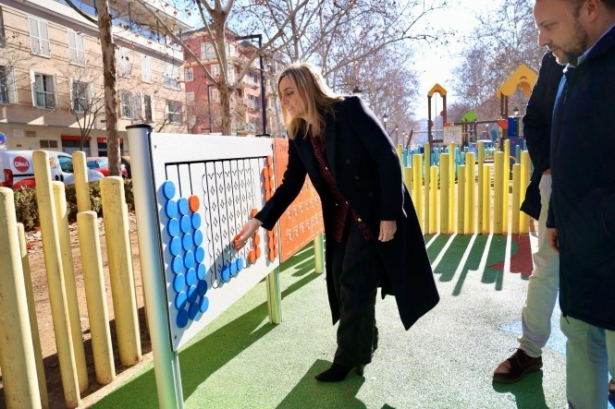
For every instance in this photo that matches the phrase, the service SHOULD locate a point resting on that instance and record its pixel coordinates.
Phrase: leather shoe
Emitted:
(612, 389)
(516, 367)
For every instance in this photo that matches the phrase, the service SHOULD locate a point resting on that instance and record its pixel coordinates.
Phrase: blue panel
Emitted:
(187, 241)
(191, 277)
(200, 272)
(184, 207)
(204, 304)
(181, 299)
(177, 265)
(189, 259)
(168, 189)
(175, 247)
(179, 283)
(198, 238)
(202, 287)
(173, 227)
(171, 209)
(182, 319)
(199, 255)
(194, 310)
(185, 224)
(196, 221)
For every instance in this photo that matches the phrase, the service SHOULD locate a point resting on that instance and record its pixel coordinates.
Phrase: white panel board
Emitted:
(205, 188)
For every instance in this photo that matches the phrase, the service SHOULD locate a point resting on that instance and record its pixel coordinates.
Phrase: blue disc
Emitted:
(204, 304)
(196, 221)
(226, 273)
(200, 272)
(171, 209)
(181, 299)
(168, 189)
(182, 319)
(199, 254)
(179, 283)
(193, 293)
(191, 277)
(178, 265)
(239, 263)
(175, 247)
(173, 227)
(194, 310)
(187, 241)
(202, 287)
(184, 207)
(185, 224)
(198, 238)
(233, 268)
(189, 259)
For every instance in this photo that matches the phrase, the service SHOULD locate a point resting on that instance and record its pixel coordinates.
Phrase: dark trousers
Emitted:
(356, 268)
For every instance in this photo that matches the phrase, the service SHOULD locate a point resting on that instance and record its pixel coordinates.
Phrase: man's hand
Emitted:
(387, 230)
(245, 233)
(552, 239)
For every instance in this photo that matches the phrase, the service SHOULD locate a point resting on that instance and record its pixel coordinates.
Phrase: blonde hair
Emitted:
(316, 95)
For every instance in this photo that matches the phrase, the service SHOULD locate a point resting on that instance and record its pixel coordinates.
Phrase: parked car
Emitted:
(101, 164)
(17, 169)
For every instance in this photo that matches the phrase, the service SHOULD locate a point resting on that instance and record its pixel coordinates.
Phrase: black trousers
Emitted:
(356, 268)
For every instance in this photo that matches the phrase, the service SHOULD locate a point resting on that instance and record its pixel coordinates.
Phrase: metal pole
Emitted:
(166, 361)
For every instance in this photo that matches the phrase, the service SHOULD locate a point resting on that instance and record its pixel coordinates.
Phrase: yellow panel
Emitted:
(523, 77)
(437, 88)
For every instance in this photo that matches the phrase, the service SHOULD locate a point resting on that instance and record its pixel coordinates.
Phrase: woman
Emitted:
(373, 235)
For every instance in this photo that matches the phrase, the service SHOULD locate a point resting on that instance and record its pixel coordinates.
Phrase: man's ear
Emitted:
(591, 9)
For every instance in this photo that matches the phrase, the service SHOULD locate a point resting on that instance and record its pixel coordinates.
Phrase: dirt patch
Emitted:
(44, 317)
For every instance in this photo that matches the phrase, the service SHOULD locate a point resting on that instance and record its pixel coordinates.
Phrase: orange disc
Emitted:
(269, 172)
(271, 255)
(265, 173)
(269, 234)
(258, 252)
(257, 240)
(269, 161)
(252, 256)
(268, 195)
(275, 242)
(253, 212)
(267, 184)
(270, 244)
(275, 252)
(194, 203)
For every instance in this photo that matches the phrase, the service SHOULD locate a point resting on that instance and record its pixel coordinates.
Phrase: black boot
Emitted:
(336, 373)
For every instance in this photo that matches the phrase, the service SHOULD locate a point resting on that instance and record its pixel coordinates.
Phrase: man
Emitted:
(544, 281)
(581, 222)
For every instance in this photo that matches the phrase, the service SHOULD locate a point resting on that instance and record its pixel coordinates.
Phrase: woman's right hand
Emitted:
(245, 233)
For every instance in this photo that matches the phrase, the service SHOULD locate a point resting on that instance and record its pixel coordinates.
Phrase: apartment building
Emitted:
(202, 98)
(51, 78)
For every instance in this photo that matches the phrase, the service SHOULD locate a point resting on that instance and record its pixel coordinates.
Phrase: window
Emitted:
(8, 92)
(2, 43)
(80, 97)
(123, 62)
(39, 37)
(128, 110)
(148, 108)
(66, 163)
(48, 144)
(174, 112)
(171, 76)
(207, 51)
(76, 50)
(43, 90)
(215, 95)
(189, 98)
(215, 70)
(189, 75)
(146, 69)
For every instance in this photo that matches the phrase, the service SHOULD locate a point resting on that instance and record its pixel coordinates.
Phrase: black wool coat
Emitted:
(367, 173)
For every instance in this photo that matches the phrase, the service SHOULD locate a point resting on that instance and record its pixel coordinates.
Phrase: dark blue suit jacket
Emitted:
(367, 173)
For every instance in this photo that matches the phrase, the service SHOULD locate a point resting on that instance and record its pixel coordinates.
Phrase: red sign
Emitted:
(21, 164)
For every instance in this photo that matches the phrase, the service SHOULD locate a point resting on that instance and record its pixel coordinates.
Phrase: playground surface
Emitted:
(446, 360)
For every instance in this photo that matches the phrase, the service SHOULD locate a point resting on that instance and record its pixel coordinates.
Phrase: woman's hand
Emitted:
(387, 230)
(245, 233)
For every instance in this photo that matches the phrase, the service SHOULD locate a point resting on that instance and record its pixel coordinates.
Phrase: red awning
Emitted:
(73, 137)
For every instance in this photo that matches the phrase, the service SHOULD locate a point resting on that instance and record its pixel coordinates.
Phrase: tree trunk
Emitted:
(225, 107)
(108, 54)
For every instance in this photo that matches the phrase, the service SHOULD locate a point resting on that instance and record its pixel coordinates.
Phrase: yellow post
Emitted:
(486, 225)
(461, 200)
(506, 186)
(70, 283)
(94, 282)
(55, 279)
(451, 182)
(524, 221)
(516, 197)
(36, 339)
(417, 177)
(498, 195)
(481, 160)
(120, 270)
(427, 181)
(17, 355)
(470, 193)
(81, 181)
(444, 193)
(433, 201)
(408, 182)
